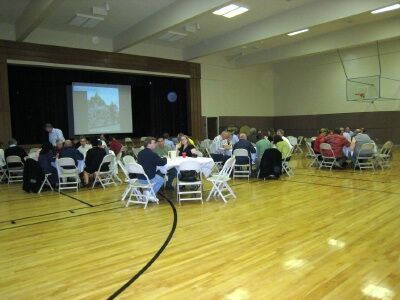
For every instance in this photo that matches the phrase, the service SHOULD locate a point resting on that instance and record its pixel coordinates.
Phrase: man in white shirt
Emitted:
(84, 147)
(220, 147)
(281, 132)
(54, 134)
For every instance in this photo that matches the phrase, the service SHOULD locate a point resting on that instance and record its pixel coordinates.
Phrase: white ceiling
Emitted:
(257, 36)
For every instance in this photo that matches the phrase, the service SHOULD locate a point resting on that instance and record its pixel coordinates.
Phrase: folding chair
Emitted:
(240, 171)
(285, 163)
(294, 142)
(142, 192)
(116, 160)
(127, 179)
(220, 181)
(15, 168)
(217, 164)
(197, 186)
(383, 157)
(365, 157)
(105, 177)
(3, 169)
(128, 159)
(328, 156)
(311, 154)
(45, 181)
(67, 170)
(300, 139)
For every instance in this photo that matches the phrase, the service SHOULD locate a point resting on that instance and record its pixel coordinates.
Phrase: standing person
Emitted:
(150, 161)
(55, 134)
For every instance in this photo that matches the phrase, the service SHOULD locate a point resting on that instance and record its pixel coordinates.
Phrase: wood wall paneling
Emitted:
(62, 55)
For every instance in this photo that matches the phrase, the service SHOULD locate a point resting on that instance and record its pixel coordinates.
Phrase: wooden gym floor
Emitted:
(317, 235)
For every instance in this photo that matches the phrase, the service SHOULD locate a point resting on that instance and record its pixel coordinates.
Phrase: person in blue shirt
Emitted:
(55, 134)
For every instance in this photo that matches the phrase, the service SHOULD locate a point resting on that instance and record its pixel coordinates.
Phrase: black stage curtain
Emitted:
(38, 95)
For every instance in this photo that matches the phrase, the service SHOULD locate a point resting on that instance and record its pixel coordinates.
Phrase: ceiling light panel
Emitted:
(297, 32)
(385, 9)
(225, 9)
(236, 12)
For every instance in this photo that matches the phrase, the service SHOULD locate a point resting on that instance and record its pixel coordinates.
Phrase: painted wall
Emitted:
(228, 91)
(317, 84)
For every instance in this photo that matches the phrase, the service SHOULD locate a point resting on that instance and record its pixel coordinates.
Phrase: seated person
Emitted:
(2, 157)
(322, 134)
(45, 159)
(186, 147)
(59, 146)
(115, 145)
(84, 146)
(282, 146)
(150, 161)
(262, 144)
(129, 147)
(93, 160)
(357, 141)
(14, 149)
(75, 142)
(243, 144)
(168, 141)
(162, 148)
(220, 147)
(70, 151)
(281, 132)
(337, 143)
(179, 137)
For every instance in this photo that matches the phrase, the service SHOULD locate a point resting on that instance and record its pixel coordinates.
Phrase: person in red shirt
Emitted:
(337, 143)
(322, 134)
(115, 145)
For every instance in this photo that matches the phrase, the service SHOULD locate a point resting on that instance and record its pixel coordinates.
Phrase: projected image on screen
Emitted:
(103, 107)
(100, 108)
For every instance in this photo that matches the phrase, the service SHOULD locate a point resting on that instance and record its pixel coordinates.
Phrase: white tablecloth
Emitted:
(206, 163)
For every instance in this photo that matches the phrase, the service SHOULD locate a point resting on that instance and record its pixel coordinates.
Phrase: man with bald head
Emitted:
(70, 151)
(220, 147)
(244, 144)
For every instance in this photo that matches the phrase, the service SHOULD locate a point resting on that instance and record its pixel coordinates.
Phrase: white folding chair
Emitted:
(3, 169)
(217, 164)
(116, 160)
(285, 163)
(384, 156)
(68, 174)
(105, 177)
(311, 154)
(15, 168)
(328, 156)
(197, 187)
(141, 192)
(294, 142)
(220, 181)
(128, 159)
(240, 171)
(45, 181)
(127, 179)
(365, 157)
(300, 139)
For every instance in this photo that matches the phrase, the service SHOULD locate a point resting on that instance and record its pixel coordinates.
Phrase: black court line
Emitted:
(72, 210)
(52, 220)
(154, 258)
(343, 187)
(81, 201)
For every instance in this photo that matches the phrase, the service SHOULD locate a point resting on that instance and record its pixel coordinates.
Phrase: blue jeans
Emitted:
(157, 182)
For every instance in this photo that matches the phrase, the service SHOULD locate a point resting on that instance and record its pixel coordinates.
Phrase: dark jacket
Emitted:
(188, 150)
(243, 144)
(33, 176)
(93, 159)
(149, 161)
(15, 150)
(72, 153)
(271, 163)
